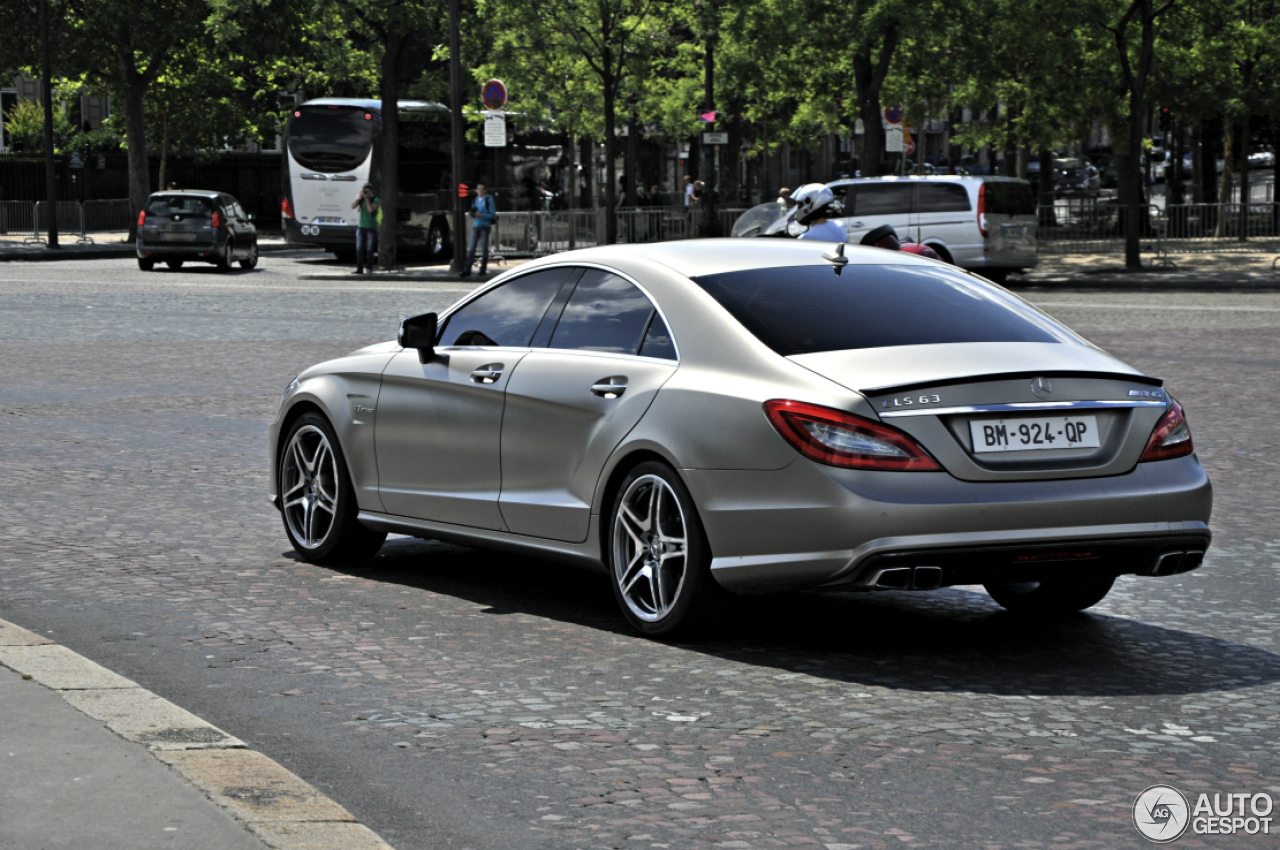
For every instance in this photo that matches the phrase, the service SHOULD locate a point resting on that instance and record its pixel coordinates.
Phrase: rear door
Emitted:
(570, 404)
(876, 203)
(944, 213)
(1010, 213)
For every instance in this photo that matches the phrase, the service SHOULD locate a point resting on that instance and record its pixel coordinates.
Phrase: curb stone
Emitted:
(280, 808)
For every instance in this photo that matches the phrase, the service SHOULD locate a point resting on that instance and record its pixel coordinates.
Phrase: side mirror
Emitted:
(419, 332)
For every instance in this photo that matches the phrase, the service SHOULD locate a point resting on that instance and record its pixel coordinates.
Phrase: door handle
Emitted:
(488, 373)
(610, 387)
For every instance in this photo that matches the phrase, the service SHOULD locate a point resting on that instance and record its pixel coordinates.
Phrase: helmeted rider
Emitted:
(815, 204)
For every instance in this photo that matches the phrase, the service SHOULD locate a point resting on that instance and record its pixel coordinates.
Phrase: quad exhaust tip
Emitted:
(906, 578)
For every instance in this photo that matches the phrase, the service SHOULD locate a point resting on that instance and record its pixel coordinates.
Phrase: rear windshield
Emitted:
(808, 309)
(180, 204)
(1013, 197)
(330, 138)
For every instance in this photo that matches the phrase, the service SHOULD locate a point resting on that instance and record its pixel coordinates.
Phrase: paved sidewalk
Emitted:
(90, 759)
(1187, 272)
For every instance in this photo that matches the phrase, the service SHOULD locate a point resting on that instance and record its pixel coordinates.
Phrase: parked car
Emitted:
(192, 225)
(1078, 179)
(984, 224)
(703, 417)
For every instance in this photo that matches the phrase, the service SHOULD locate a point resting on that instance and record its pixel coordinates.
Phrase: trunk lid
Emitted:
(1085, 413)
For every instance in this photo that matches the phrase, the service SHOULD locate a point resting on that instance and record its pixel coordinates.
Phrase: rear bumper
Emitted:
(178, 251)
(810, 526)
(327, 236)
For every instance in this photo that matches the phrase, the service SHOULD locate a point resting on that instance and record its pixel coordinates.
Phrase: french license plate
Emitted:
(1041, 432)
(179, 237)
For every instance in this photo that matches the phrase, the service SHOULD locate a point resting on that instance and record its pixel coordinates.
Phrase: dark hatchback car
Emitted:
(204, 227)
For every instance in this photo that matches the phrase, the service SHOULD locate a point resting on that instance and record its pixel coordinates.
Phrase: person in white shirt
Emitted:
(688, 192)
(814, 203)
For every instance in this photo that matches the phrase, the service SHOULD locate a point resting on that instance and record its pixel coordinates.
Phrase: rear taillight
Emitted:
(841, 439)
(217, 220)
(286, 209)
(142, 218)
(1171, 437)
(982, 210)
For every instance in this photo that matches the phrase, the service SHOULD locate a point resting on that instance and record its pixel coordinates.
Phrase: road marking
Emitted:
(1093, 305)
(430, 287)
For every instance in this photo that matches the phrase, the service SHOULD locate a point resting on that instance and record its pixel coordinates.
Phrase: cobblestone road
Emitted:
(456, 698)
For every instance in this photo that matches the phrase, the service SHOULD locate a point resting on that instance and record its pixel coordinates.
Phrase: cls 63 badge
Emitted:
(911, 400)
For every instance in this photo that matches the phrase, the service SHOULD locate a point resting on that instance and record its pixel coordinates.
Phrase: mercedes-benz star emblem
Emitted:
(1041, 388)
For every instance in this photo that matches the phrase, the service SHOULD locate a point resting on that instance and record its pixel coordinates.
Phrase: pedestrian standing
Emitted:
(688, 192)
(366, 228)
(483, 215)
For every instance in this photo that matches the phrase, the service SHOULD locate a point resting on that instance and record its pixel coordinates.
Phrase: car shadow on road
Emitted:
(954, 639)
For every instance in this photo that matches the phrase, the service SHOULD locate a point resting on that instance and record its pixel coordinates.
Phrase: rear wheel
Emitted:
(223, 261)
(659, 557)
(1058, 595)
(317, 499)
(146, 263)
(173, 264)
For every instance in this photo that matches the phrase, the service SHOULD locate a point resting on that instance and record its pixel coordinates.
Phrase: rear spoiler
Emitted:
(1005, 376)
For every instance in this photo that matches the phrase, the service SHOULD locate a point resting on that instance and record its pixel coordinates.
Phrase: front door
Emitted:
(569, 405)
(439, 424)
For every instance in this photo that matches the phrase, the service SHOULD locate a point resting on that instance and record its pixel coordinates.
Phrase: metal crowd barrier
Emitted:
(70, 219)
(1085, 226)
(107, 216)
(18, 218)
(1221, 228)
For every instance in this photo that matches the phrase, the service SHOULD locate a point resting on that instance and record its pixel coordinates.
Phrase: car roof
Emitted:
(194, 193)
(699, 257)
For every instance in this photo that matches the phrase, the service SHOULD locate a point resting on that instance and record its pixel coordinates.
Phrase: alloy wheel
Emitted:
(309, 487)
(649, 548)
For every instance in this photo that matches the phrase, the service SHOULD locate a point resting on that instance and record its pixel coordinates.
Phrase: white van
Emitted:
(984, 224)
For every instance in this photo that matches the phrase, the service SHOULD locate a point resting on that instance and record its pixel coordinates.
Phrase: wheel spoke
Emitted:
(639, 574)
(631, 525)
(324, 503)
(287, 493)
(298, 501)
(655, 590)
(308, 520)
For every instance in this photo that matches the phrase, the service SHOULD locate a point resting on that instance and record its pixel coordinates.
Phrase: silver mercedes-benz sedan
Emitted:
(723, 416)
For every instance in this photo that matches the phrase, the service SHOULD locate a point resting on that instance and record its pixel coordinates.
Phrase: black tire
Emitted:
(996, 275)
(439, 244)
(146, 263)
(223, 260)
(250, 261)
(944, 254)
(173, 264)
(698, 601)
(344, 540)
(1056, 596)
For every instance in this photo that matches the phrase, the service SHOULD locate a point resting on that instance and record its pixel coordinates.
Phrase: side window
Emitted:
(604, 313)
(843, 195)
(884, 199)
(505, 316)
(657, 340)
(942, 197)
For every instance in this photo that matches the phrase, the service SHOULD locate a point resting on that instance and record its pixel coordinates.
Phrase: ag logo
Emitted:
(1161, 814)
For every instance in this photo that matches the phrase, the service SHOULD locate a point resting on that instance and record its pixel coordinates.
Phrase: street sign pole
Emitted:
(457, 139)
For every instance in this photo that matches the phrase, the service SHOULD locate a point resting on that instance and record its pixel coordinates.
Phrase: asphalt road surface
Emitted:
(453, 698)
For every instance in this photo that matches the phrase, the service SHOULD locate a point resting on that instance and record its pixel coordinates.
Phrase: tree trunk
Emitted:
(610, 165)
(164, 150)
(135, 134)
(1047, 212)
(1244, 176)
(389, 191)
(1210, 137)
(868, 80)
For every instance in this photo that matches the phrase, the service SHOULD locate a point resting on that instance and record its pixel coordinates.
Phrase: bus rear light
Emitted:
(982, 210)
(217, 220)
(286, 209)
(368, 117)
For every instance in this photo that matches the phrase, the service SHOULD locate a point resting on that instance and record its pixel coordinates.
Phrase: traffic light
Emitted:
(1166, 120)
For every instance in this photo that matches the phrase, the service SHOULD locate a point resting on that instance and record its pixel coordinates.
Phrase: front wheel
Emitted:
(251, 260)
(659, 557)
(318, 500)
(1054, 596)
